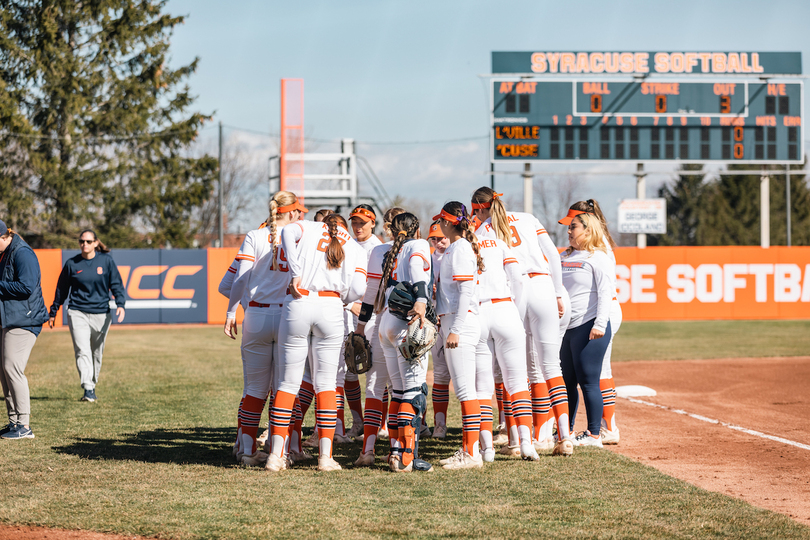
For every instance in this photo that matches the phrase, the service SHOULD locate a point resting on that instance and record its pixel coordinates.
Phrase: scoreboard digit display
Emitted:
(690, 119)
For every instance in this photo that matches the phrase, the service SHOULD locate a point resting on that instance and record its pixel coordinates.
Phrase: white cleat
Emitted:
(500, 439)
(275, 463)
(544, 446)
(510, 451)
(564, 448)
(356, 431)
(327, 464)
(366, 459)
(303, 455)
(425, 431)
(382, 433)
(439, 432)
(488, 455)
(261, 439)
(609, 436)
(258, 459)
(312, 442)
(528, 453)
(342, 439)
(464, 461)
(586, 439)
(445, 461)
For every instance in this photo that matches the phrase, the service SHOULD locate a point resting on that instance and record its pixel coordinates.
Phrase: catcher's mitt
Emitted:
(418, 341)
(357, 353)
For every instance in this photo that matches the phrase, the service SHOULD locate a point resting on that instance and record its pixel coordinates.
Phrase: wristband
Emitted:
(365, 313)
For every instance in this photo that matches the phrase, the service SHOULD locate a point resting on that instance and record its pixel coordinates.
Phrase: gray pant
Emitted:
(89, 331)
(16, 345)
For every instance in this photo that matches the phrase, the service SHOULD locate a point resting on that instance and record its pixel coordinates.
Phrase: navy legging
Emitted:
(581, 360)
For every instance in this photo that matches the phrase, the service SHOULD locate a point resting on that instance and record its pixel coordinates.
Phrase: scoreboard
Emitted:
(641, 118)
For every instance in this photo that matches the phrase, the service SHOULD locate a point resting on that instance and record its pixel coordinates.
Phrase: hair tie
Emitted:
(403, 233)
(496, 195)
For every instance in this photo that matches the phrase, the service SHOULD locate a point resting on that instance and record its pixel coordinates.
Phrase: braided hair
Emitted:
(465, 228)
(278, 200)
(334, 251)
(403, 227)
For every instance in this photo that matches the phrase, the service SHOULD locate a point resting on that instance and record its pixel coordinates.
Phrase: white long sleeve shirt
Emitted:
(587, 278)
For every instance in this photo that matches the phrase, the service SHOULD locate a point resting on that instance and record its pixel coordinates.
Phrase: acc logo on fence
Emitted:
(140, 295)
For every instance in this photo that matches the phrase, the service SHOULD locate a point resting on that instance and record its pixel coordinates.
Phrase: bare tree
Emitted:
(553, 195)
(244, 192)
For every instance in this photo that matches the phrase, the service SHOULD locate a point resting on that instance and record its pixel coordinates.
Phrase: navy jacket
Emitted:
(86, 284)
(21, 302)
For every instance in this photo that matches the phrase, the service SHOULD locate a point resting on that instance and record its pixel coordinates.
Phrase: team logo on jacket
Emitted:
(100, 270)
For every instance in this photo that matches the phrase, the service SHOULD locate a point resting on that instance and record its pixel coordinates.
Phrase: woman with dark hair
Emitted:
(86, 282)
(22, 311)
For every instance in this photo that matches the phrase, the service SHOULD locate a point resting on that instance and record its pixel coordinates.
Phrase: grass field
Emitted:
(152, 457)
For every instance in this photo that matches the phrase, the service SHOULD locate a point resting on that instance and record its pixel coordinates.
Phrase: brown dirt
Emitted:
(768, 395)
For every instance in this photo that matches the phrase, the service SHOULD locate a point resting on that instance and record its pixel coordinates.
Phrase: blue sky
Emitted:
(388, 71)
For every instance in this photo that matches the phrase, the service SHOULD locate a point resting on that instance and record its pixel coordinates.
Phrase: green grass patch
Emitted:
(694, 340)
(153, 457)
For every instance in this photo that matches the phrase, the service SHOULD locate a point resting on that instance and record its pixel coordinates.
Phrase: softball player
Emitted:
(587, 277)
(260, 282)
(440, 394)
(610, 431)
(328, 270)
(457, 307)
(502, 336)
(363, 220)
(407, 259)
(533, 248)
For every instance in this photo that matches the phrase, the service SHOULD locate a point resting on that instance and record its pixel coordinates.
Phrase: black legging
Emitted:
(581, 360)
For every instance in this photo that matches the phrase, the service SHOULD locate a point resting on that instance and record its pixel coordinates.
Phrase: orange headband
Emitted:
(290, 207)
(444, 214)
(479, 206)
(571, 215)
(363, 214)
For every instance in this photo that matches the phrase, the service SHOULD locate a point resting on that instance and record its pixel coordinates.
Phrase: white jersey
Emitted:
(587, 279)
(368, 246)
(458, 265)
(531, 245)
(412, 264)
(255, 280)
(501, 273)
(305, 244)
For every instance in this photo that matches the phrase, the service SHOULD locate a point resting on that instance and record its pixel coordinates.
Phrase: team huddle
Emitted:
(487, 296)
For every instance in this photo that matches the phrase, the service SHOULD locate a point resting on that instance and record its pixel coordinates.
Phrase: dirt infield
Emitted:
(768, 395)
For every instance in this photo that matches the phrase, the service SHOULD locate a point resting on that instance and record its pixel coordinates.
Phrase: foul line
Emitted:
(713, 421)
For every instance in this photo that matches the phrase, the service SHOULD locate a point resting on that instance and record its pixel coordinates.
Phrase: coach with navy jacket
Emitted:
(86, 282)
(22, 314)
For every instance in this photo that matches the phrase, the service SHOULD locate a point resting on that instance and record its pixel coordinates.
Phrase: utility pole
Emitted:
(641, 193)
(787, 200)
(220, 217)
(765, 209)
(528, 203)
(492, 176)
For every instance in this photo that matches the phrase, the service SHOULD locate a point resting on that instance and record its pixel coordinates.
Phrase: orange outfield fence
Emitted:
(653, 284)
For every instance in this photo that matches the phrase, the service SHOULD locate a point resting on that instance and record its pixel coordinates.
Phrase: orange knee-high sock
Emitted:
(326, 420)
(353, 398)
(441, 399)
(386, 401)
(295, 427)
(371, 423)
(280, 418)
(340, 399)
(252, 408)
(609, 400)
(407, 435)
(499, 395)
(471, 425)
(239, 422)
(305, 395)
(559, 402)
(393, 425)
(521, 406)
(541, 406)
(508, 411)
(486, 414)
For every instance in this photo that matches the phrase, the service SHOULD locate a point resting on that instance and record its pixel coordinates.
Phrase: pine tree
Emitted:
(98, 122)
(685, 199)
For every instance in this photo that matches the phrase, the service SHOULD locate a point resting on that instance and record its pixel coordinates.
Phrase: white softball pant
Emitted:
(441, 375)
(461, 361)
(377, 376)
(322, 316)
(615, 323)
(343, 374)
(502, 335)
(542, 321)
(404, 375)
(260, 349)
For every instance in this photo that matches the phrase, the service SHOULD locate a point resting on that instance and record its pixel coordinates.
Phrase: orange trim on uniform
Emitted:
(330, 294)
(535, 274)
(570, 216)
(258, 304)
(462, 278)
(290, 207)
(509, 261)
(231, 269)
(361, 271)
(427, 262)
(375, 276)
(541, 231)
(245, 258)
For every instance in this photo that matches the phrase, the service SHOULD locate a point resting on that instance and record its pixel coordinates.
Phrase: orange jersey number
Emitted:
(324, 243)
(516, 241)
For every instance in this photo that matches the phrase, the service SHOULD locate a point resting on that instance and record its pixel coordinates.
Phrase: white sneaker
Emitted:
(609, 436)
(258, 459)
(528, 453)
(366, 459)
(395, 465)
(439, 432)
(341, 439)
(500, 439)
(356, 431)
(303, 455)
(544, 446)
(312, 442)
(509, 451)
(585, 439)
(382, 433)
(261, 439)
(445, 461)
(327, 464)
(488, 455)
(564, 448)
(464, 461)
(275, 463)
